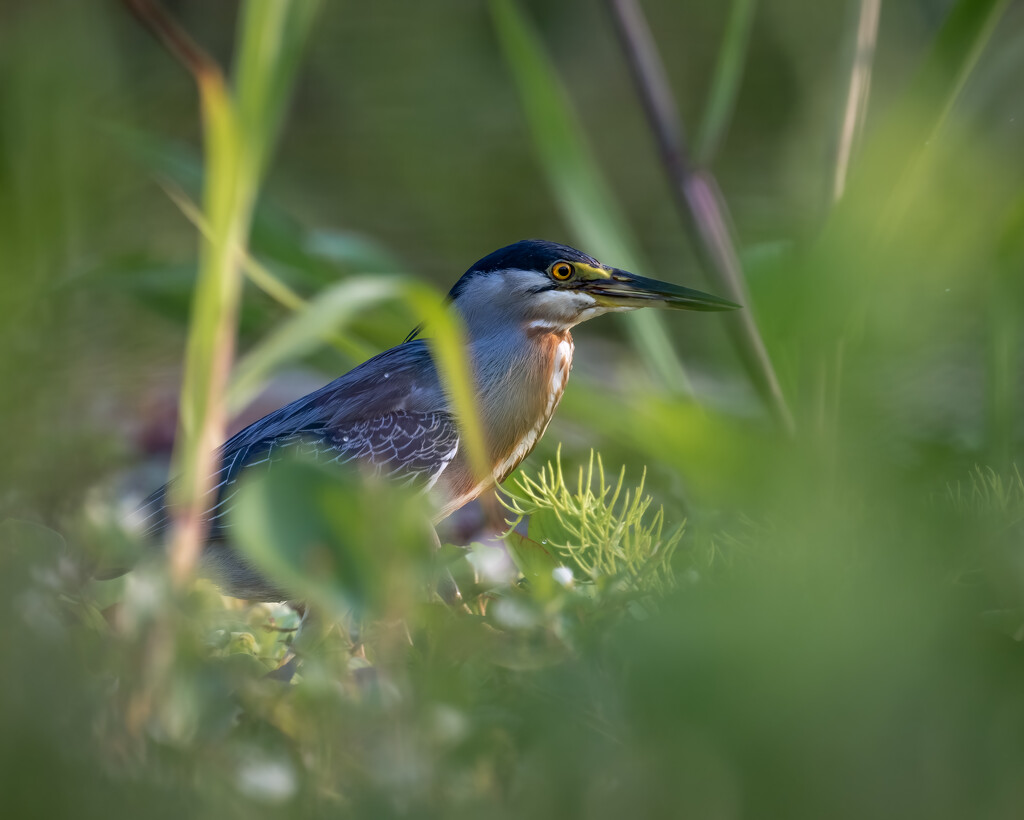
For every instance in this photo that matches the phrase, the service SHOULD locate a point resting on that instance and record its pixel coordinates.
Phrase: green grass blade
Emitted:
(725, 82)
(698, 199)
(211, 335)
(447, 339)
(312, 325)
(1004, 338)
(954, 54)
(237, 137)
(583, 196)
(893, 157)
(271, 36)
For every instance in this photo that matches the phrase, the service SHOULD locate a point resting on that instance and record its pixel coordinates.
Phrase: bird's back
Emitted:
(389, 414)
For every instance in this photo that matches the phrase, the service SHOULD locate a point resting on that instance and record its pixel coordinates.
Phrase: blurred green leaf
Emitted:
(953, 55)
(31, 540)
(533, 560)
(896, 152)
(167, 288)
(726, 80)
(272, 35)
(333, 537)
(303, 332)
(351, 251)
(308, 257)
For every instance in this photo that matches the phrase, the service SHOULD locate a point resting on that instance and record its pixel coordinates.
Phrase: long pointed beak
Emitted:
(625, 289)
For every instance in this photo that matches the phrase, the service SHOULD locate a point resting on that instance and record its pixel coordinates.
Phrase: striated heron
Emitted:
(391, 413)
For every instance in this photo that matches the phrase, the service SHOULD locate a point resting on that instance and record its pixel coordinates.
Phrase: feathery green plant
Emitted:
(990, 492)
(597, 529)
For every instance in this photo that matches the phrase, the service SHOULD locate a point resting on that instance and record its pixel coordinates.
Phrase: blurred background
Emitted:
(843, 638)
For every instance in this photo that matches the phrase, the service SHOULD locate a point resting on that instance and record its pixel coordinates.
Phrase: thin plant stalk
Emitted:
(319, 321)
(858, 89)
(259, 274)
(577, 184)
(699, 201)
(1004, 341)
(238, 134)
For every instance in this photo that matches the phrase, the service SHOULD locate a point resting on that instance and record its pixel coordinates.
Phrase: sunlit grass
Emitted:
(604, 532)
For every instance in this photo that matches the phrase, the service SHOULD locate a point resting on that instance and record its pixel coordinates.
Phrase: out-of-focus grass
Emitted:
(576, 181)
(726, 80)
(239, 131)
(844, 640)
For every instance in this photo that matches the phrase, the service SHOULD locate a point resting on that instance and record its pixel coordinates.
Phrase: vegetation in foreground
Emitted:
(761, 624)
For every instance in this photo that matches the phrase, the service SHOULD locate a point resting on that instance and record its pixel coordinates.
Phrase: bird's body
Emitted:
(391, 413)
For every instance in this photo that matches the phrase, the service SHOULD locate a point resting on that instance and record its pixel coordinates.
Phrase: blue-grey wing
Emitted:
(413, 448)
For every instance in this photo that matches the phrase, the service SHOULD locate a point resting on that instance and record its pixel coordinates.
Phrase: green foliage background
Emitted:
(843, 635)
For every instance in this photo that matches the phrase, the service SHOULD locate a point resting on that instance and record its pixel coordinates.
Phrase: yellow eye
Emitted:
(562, 271)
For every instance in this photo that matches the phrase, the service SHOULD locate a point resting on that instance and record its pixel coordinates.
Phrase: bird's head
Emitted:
(547, 284)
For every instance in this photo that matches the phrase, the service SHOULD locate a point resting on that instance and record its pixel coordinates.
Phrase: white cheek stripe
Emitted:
(561, 308)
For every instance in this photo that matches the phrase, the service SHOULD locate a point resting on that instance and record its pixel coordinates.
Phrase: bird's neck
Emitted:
(521, 377)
